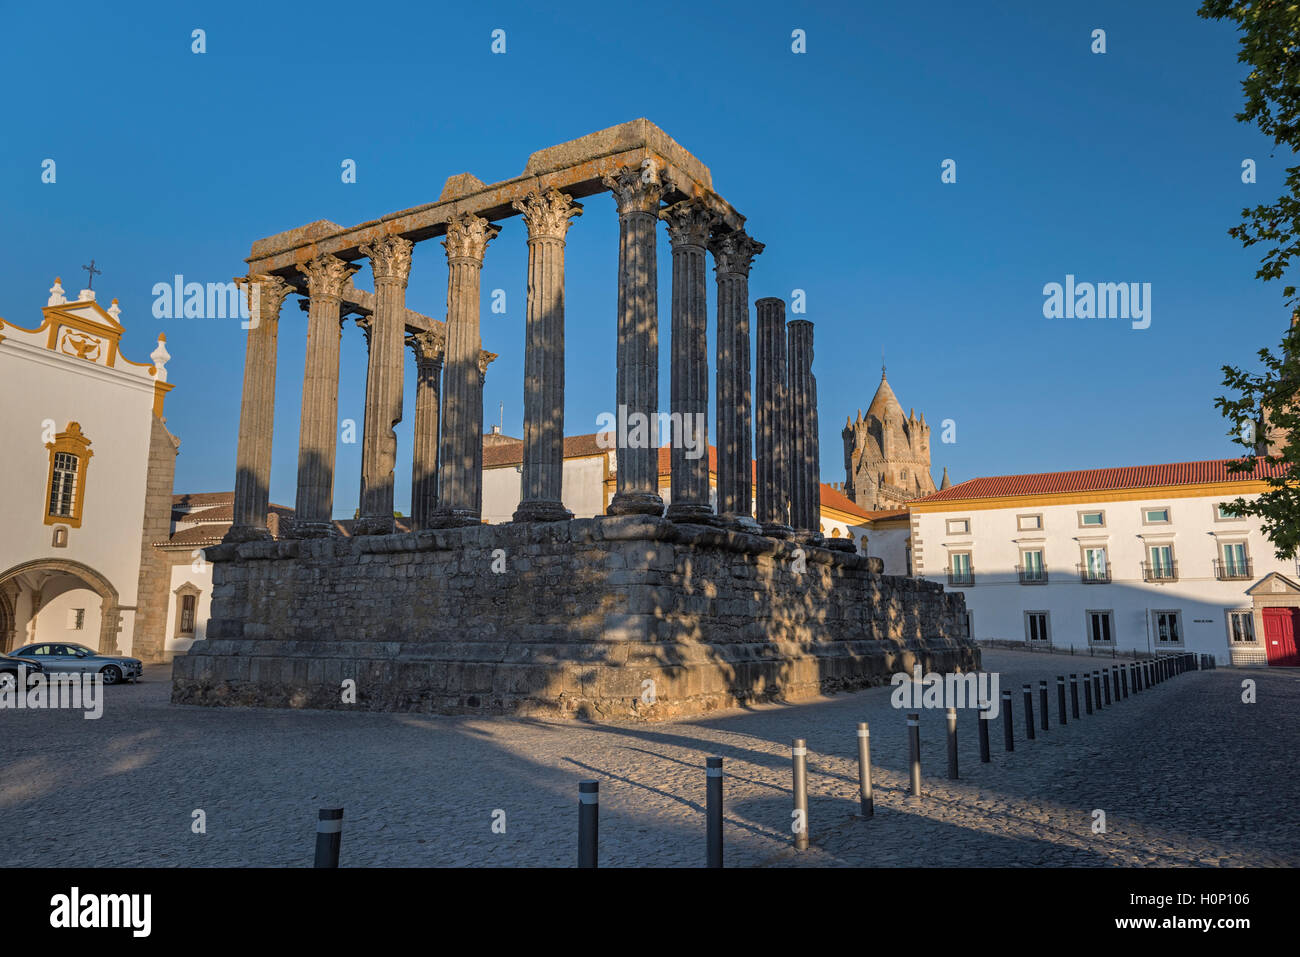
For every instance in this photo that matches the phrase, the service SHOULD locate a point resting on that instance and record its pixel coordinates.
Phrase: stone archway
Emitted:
(110, 612)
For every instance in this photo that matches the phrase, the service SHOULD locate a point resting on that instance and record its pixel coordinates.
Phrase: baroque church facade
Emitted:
(887, 454)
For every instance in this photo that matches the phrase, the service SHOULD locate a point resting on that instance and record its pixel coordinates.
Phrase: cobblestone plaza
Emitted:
(1186, 773)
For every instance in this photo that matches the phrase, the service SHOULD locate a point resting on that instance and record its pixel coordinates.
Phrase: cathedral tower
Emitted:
(886, 453)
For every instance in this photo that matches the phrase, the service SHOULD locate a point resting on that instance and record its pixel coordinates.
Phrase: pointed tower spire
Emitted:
(946, 483)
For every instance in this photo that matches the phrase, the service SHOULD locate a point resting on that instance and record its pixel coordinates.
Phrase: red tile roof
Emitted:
(833, 498)
(1103, 480)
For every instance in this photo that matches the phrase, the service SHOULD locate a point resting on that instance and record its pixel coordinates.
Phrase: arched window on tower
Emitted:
(66, 489)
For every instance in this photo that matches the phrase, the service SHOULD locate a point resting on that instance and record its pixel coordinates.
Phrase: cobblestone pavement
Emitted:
(1185, 772)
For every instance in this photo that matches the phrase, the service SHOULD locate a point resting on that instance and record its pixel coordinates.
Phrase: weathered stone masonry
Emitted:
(629, 615)
(583, 614)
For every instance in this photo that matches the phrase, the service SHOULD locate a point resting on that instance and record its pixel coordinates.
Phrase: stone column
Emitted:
(548, 215)
(805, 485)
(772, 418)
(689, 223)
(485, 359)
(266, 294)
(390, 261)
(314, 507)
(429, 350)
(637, 388)
(733, 254)
(460, 467)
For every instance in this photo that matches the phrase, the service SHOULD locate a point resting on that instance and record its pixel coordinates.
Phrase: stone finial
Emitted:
(468, 237)
(689, 223)
(634, 192)
(86, 295)
(734, 252)
(115, 310)
(390, 259)
(547, 213)
(159, 357)
(57, 296)
(327, 275)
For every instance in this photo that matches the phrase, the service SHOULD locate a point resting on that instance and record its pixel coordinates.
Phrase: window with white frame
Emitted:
(1167, 627)
(958, 526)
(1094, 519)
(1101, 627)
(1037, 627)
(1029, 523)
(63, 484)
(1241, 626)
(1155, 516)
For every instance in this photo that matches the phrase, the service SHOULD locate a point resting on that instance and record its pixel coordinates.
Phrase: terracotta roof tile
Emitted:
(1103, 480)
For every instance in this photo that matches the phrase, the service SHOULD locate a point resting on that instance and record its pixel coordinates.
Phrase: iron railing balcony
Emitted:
(959, 577)
(1032, 576)
(1159, 572)
(1094, 576)
(1232, 571)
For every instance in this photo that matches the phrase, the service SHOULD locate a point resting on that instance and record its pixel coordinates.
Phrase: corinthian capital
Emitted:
(326, 275)
(547, 213)
(468, 236)
(634, 190)
(734, 252)
(484, 359)
(266, 294)
(390, 259)
(689, 222)
(429, 347)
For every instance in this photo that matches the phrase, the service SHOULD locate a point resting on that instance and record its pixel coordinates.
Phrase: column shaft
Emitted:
(805, 485)
(547, 215)
(265, 294)
(460, 466)
(313, 509)
(429, 351)
(733, 254)
(771, 419)
(390, 261)
(689, 223)
(637, 387)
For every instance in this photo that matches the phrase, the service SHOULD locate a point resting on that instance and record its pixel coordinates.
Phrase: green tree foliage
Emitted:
(1269, 400)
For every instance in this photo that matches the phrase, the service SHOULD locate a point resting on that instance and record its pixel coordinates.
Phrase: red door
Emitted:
(1281, 626)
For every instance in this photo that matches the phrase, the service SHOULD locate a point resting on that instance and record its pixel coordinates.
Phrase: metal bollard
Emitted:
(914, 752)
(952, 743)
(983, 716)
(713, 812)
(1096, 689)
(1060, 699)
(1105, 681)
(1029, 712)
(1087, 694)
(864, 770)
(329, 835)
(1008, 736)
(1114, 680)
(1074, 696)
(1042, 703)
(800, 753)
(1123, 680)
(588, 822)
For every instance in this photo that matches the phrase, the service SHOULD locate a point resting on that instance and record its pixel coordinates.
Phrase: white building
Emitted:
(590, 480)
(85, 481)
(1142, 558)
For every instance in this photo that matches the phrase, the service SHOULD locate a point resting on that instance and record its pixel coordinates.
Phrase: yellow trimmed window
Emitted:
(66, 490)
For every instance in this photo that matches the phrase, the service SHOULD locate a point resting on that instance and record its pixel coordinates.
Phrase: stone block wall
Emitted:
(606, 619)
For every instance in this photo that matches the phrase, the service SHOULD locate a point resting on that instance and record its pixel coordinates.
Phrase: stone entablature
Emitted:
(584, 612)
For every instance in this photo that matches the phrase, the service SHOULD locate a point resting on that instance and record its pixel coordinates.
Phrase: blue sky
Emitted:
(1122, 167)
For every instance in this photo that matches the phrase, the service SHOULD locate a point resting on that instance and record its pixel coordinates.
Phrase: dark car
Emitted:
(63, 657)
(11, 666)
